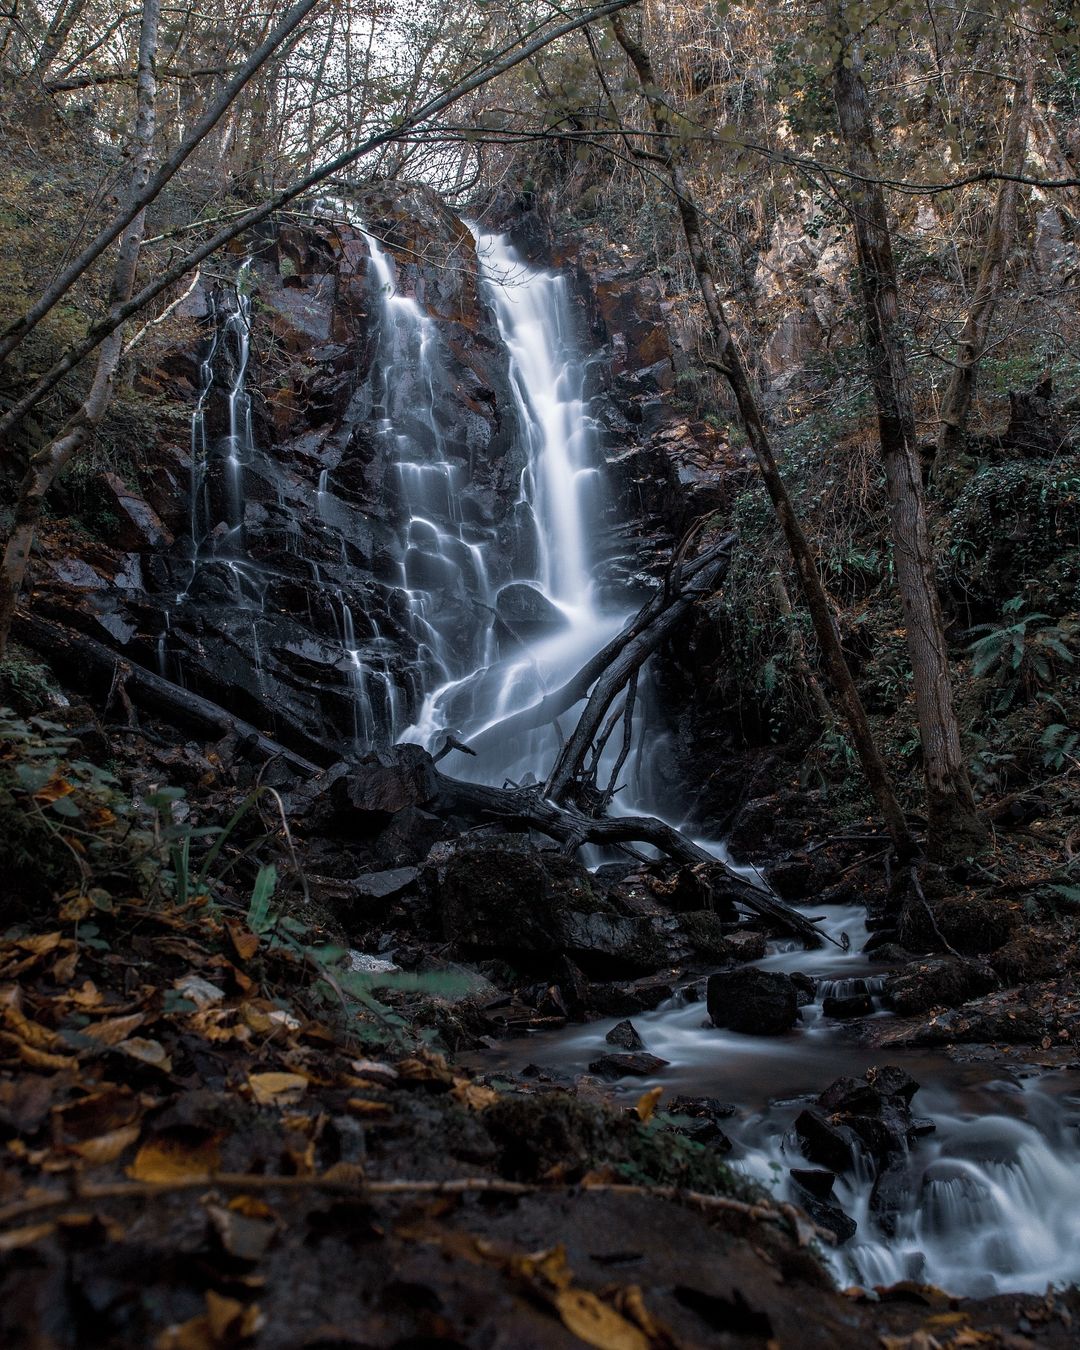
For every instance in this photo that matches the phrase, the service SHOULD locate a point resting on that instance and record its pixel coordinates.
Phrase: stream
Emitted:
(993, 1201)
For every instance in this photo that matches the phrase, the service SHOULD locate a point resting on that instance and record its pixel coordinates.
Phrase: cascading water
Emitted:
(993, 1198)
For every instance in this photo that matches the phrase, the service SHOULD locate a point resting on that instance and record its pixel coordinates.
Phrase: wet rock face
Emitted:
(274, 584)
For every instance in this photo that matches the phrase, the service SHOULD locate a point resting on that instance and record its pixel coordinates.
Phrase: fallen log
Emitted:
(625, 665)
(527, 808)
(93, 665)
(682, 578)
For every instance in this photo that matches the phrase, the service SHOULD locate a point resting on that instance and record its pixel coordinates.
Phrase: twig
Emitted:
(360, 1189)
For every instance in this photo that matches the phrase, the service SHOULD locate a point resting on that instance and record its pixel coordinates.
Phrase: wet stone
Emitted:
(751, 1001)
(625, 1035)
(640, 1065)
(832, 1146)
(822, 1212)
(842, 1009)
(816, 1181)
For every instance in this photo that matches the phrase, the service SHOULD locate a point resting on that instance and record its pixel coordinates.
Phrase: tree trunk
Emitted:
(737, 377)
(954, 828)
(956, 404)
(51, 459)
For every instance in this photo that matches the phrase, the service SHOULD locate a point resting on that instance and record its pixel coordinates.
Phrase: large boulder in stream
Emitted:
(527, 612)
(500, 895)
(756, 1002)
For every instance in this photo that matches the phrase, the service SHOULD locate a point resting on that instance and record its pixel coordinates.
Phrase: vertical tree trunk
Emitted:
(51, 459)
(956, 404)
(840, 677)
(954, 828)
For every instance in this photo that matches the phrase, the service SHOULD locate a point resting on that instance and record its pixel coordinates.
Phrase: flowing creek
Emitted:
(994, 1198)
(993, 1202)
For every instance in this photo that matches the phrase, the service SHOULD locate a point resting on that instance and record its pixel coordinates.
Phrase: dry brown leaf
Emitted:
(365, 1106)
(242, 1236)
(77, 908)
(63, 968)
(169, 1159)
(147, 1052)
(39, 1059)
(474, 1095)
(39, 944)
(87, 995)
(647, 1103)
(595, 1322)
(15, 1238)
(277, 1089)
(106, 1148)
(113, 1030)
(244, 942)
(32, 1033)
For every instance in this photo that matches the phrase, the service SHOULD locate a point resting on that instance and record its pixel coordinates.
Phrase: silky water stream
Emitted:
(994, 1192)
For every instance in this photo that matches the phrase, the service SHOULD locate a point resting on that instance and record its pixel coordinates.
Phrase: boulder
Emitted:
(971, 924)
(699, 1120)
(824, 1143)
(939, 982)
(847, 1006)
(638, 1065)
(527, 612)
(752, 1001)
(625, 1035)
(827, 1215)
(385, 885)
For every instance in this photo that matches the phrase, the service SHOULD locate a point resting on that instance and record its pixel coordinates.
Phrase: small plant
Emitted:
(1023, 655)
(1060, 746)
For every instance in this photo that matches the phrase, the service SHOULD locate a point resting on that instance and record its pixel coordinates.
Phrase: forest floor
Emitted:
(210, 1141)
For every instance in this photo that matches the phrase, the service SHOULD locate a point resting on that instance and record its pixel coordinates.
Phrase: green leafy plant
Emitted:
(1021, 655)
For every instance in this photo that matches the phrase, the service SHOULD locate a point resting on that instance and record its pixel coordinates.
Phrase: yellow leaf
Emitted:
(594, 1322)
(39, 944)
(647, 1103)
(277, 1089)
(364, 1106)
(169, 1159)
(106, 1148)
(15, 1238)
(53, 790)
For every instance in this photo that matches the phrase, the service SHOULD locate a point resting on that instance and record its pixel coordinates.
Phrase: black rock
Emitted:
(833, 1146)
(699, 1117)
(818, 1182)
(890, 1195)
(756, 1002)
(822, 1212)
(640, 1065)
(856, 1005)
(384, 885)
(527, 612)
(805, 987)
(624, 1034)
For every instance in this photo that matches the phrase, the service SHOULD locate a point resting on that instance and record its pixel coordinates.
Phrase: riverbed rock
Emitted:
(527, 612)
(625, 1035)
(831, 1146)
(970, 924)
(699, 1119)
(938, 982)
(752, 1001)
(827, 1215)
(633, 1065)
(847, 1006)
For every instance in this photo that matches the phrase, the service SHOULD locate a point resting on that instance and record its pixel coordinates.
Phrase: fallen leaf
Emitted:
(167, 1158)
(39, 1059)
(53, 790)
(242, 1236)
(647, 1103)
(147, 1052)
(595, 1322)
(106, 1148)
(277, 1089)
(15, 1238)
(201, 992)
(40, 943)
(244, 942)
(365, 1106)
(474, 1095)
(113, 1030)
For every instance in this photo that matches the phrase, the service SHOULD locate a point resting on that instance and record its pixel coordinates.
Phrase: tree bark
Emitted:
(956, 403)
(51, 459)
(954, 829)
(735, 372)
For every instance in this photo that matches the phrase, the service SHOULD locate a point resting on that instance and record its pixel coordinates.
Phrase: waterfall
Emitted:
(488, 649)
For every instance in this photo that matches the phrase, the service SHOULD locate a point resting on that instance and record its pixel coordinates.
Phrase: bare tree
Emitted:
(954, 829)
